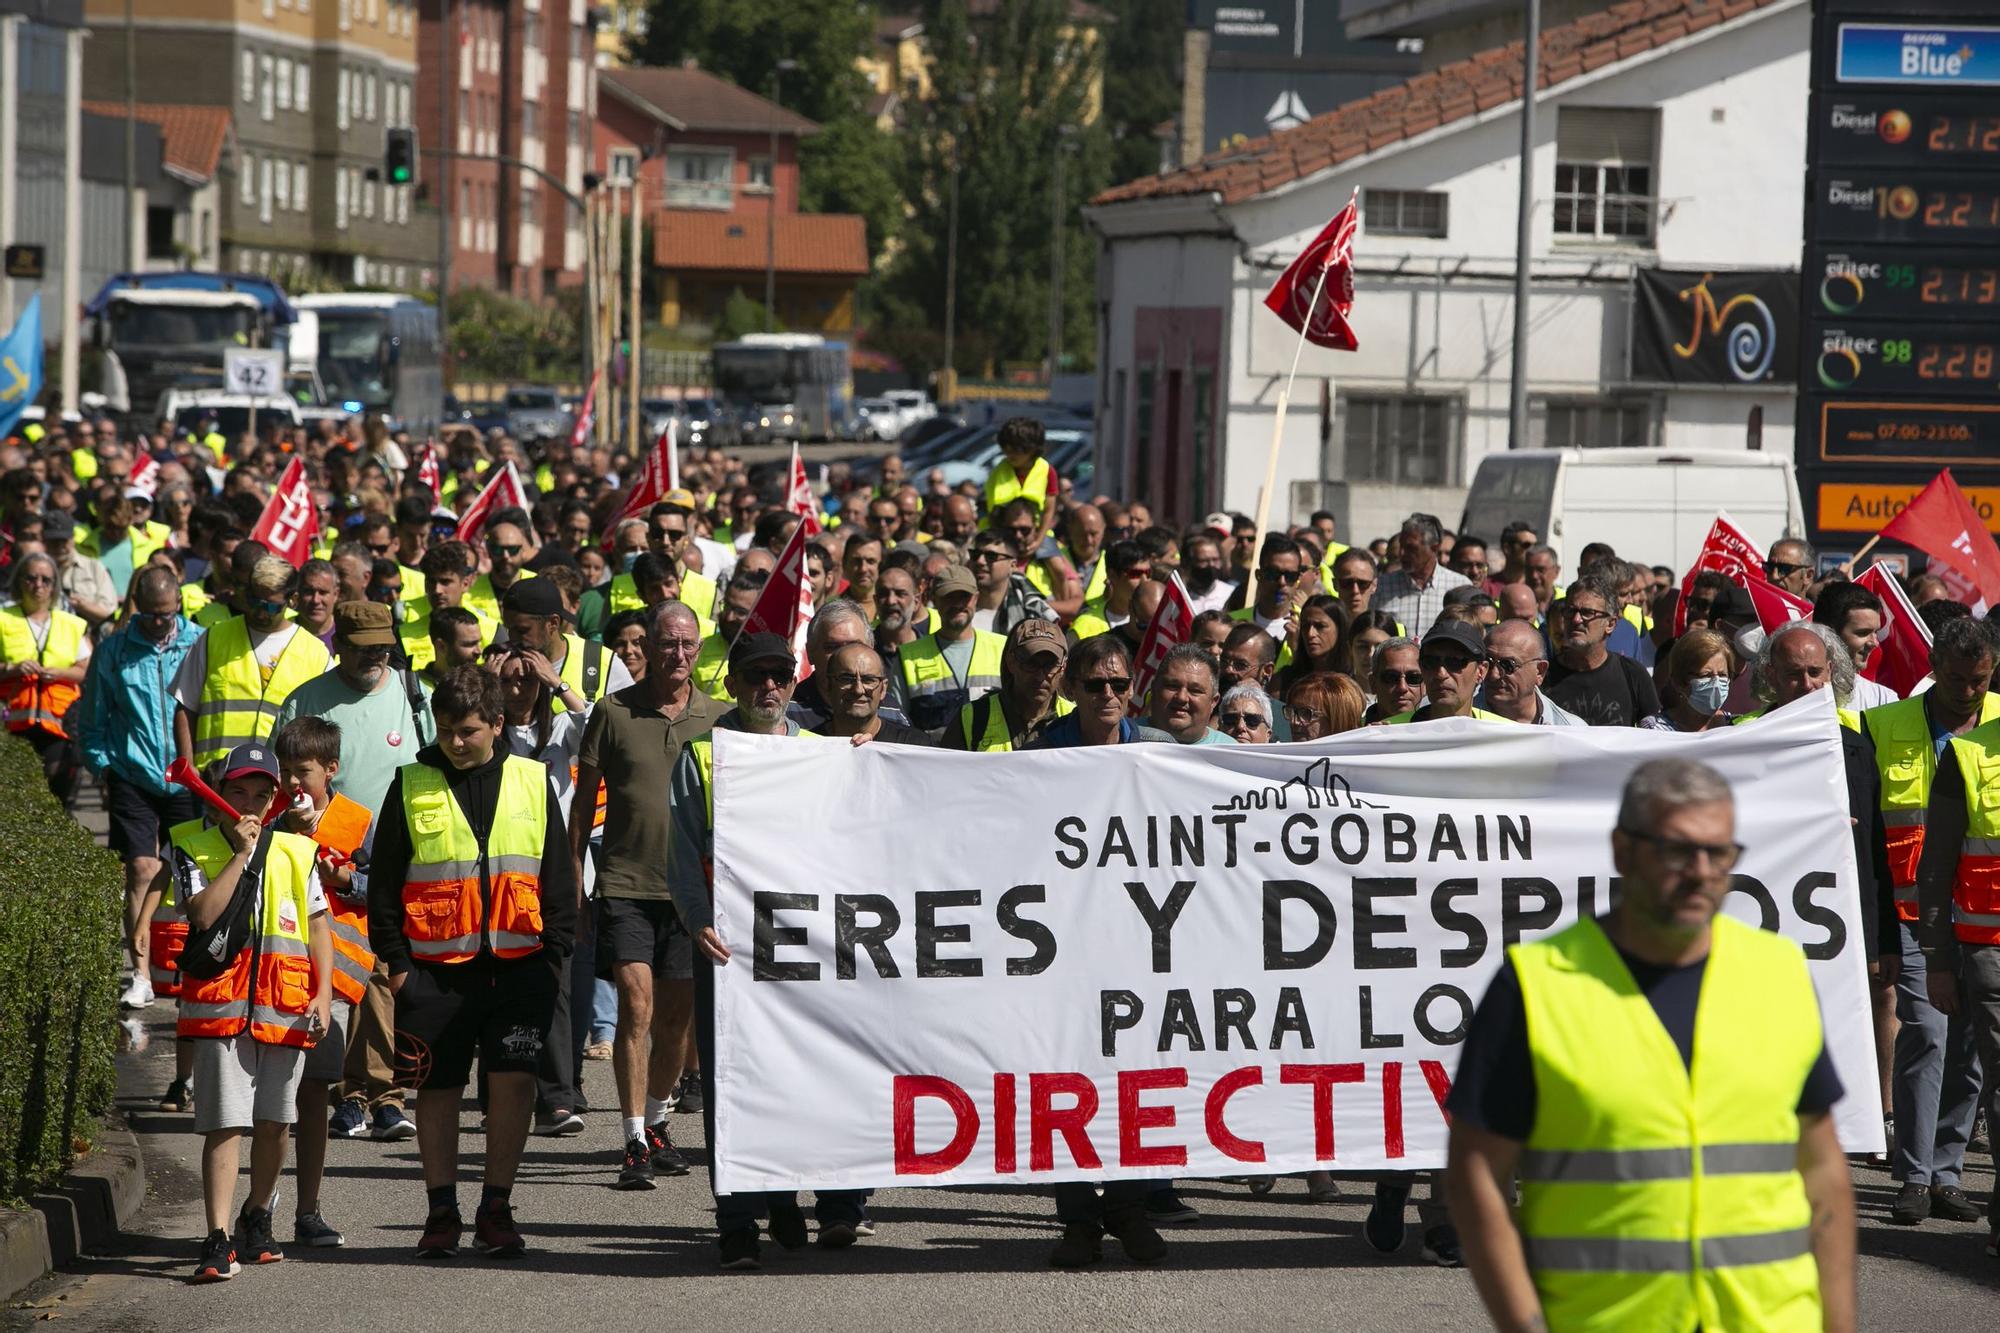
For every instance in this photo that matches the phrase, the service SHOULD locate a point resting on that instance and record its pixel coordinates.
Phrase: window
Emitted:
(340, 197)
(368, 96)
(1595, 423)
(281, 188)
(1604, 173)
(346, 14)
(302, 86)
(249, 76)
(264, 190)
(345, 98)
(402, 203)
(247, 179)
(623, 163)
(1404, 212)
(1409, 441)
(465, 215)
(699, 179)
(366, 189)
(299, 173)
(159, 233)
(264, 90)
(759, 174)
(403, 104)
(284, 88)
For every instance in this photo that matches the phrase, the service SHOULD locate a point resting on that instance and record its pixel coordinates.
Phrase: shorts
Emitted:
(141, 818)
(324, 1060)
(499, 1011)
(239, 1081)
(643, 930)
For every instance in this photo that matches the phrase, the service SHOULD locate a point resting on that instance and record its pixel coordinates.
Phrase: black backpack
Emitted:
(213, 950)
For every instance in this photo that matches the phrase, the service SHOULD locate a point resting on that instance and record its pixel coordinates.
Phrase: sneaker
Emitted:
(1912, 1205)
(836, 1235)
(176, 1097)
(390, 1124)
(687, 1095)
(637, 1173)
(739, 1251)
(788, 1226)
(1134, 1229)
(137, 995)
(1321, 1187)
(597, 1050)
(348, 1121)
(253, 1237)
(864, 1225)
(441, 1232)
(218, 1259)
(1949, 1202)
(311, 1230)
(666, 1158)
(136, 1037)
(1385, 1227)
(1166, 1206)
(493, 1231)
(1441, 1247)
(1993, 1245)
(558, 1123)
(1081, 1245)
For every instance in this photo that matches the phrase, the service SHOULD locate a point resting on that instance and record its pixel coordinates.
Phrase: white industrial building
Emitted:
(1670, 134)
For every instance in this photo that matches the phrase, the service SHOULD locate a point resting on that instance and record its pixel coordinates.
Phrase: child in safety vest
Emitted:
(253, 1023)
(308, 750)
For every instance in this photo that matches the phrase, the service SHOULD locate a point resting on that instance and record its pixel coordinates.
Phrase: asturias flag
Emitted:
(21, 365)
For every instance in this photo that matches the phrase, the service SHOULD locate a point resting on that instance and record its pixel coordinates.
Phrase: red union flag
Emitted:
(655, 479)
(799, 498)
(1902, 656)
(430, 474)
(1942, 524)
(586, 416)
(1774, 605)
(1173, 624)
(785, 607)
(1729, 552)
(286, 526)
(1316, 294)
(503, 492)
(145, 475)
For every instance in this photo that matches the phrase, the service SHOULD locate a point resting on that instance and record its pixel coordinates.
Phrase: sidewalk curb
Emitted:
(83, 1211)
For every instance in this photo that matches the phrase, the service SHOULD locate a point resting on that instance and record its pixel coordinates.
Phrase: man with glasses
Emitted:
(885, 520)
(1516, 540)
(668, 525)
(855, 684)
(955, 664)
(1452, 660)
(86, 584)
(1279, 569)
(1468, 559)
(1354, 580)
(1395, 678)
(1790, 566)
(1414, 591)
(1129, 567)
(1599, 686)
(1517, 662)
(1029, 696)
(633, 742)
(1247, 715)
(834, 626)
(507, 552)
(1563, 1074)
(1006, 598)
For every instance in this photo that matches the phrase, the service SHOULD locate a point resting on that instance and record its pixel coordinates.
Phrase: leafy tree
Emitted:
(1142, 60)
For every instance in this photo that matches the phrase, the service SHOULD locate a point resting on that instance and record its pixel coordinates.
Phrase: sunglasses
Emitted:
(1507, 666)
(1355, 585)
(1252, 720)
(661, 534)
(776, 675)
(1585, 614)
(1387, 677)
(1452, 665)
(1778, 569)
(1137, 572)
(495, 548)
(989, 555)
(1280, 575)
(1107, 684)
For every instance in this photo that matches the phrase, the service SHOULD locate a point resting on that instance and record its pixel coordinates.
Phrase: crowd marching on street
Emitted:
(414, 800)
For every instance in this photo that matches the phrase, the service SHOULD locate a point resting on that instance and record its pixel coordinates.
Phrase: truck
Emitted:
(157, 331)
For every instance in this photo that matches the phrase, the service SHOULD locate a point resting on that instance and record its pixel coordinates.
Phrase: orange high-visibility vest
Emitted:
(167, 935)
(446, 917)
(343, 827)
(1975, 897)
(273, 1004)
(39, 705)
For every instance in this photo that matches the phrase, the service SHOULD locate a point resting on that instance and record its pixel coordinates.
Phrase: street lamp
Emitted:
(771, 205)
(1065, 143)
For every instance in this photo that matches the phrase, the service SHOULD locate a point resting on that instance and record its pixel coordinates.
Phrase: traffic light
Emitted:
(399, 156)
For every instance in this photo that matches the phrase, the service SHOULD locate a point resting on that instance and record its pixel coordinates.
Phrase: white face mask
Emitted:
(1707, 694)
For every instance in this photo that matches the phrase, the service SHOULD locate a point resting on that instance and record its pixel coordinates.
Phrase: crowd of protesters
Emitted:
(489, 761)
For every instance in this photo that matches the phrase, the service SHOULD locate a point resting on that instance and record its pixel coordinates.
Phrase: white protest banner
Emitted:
(1151, 960)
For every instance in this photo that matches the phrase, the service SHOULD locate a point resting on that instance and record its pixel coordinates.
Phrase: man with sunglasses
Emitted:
(1517, 662)
(237, 677)
(1006, 598)
(1516, 540)
(1790, 566)
(508, 551)
(1395, 679)
(533, 616)
(1598, 685)
(1280, 567)
(855, 683)
(1453, 662)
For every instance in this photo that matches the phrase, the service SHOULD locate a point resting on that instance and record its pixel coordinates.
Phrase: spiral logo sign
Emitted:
(1727, 328)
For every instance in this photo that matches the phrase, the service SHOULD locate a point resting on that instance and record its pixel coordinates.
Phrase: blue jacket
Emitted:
(128, 705)
(1067, 733)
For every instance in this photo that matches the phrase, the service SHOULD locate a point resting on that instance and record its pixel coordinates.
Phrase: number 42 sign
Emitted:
(253, 371)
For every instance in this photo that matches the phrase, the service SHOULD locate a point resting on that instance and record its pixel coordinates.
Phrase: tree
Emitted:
(1142, 57)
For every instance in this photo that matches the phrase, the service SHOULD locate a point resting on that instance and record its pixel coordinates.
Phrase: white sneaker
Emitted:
(137, 1039)
(138, 995)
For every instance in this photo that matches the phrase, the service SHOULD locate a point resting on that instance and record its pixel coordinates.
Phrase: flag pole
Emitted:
(1278, 427)
(1866, 547)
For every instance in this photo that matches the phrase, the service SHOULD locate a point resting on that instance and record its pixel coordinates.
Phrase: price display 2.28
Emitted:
(1872, 360)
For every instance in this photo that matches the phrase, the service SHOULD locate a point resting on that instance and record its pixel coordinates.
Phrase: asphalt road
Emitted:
(971, 1258)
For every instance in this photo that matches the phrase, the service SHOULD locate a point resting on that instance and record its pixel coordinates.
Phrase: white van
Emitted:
(1654, 506)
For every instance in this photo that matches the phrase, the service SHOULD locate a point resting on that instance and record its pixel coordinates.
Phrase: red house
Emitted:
(723, 204)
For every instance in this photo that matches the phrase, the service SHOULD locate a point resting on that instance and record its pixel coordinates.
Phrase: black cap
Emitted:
(761, 647)
(250, 758)
(533, 597)
(1732, 603)
(1458, 634)
(58, 525)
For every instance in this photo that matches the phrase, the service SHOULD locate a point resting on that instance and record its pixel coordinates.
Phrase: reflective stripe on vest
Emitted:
(925, 670)
(39, 705)
(1906, 762)
(1647, 1185)
(697, 595)
(274, 1004)
(342, 828)
(1975, 896)
(447, 913)
(237, 704)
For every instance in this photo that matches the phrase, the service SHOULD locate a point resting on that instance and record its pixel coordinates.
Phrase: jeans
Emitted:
(1979, 1003)
(603, 1006)
(1934, 1079)
(557, 1070)
(739, 1212)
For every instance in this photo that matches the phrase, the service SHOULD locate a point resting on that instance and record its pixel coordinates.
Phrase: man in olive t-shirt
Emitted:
(632, 741)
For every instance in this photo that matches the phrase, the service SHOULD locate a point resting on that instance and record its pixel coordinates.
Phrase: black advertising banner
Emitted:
(1696, 327)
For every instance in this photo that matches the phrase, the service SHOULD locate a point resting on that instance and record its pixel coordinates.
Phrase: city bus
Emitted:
(804, 370)
(378, 353)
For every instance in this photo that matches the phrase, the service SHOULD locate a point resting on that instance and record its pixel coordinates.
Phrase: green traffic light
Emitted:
(399, 176)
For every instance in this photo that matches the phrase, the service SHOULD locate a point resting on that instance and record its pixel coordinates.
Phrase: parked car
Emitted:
(914, 404)
(536, 414)
(771, 423)
(877, 419)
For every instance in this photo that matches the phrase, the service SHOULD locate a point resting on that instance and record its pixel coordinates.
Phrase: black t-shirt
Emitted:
(1616, 693)
(1494, 1088)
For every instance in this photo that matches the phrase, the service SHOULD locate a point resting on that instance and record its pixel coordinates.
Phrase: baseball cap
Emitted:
(1032, 637)
(364, 624)
(253, 757)
(533, 597)
(953, 578)
(139, 493)
(58, 525)
(1471, 595)
(679, 498)
(1459, 635)
(1218, 523)
(761, 647)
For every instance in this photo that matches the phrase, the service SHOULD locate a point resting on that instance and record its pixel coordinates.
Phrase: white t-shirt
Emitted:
(1215, 599)
(1872, 694)
(983, 620)
(194, 667)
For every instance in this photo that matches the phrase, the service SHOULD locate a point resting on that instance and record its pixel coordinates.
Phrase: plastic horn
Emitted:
(181, 773)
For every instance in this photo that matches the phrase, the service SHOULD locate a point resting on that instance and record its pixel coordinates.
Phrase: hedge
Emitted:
(60, 964)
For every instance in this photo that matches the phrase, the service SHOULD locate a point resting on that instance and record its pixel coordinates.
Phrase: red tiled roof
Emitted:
(811, 243)
(192, 137)
(699, 100)
(1439, 97)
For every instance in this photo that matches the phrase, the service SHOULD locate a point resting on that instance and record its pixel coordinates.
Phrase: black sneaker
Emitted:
(836, 1235)
(177, 1098)
(1082, 1244)
(312, 1231)
(689, 1100)
(1441, 1247)
(739, 1251)
(493, 1231)
(218, 1259)
(442, 1230)
(788, 1226)
(1167, 1206)
(637, 1173)
(1385, 1227)
(1134, 1230)
(1912, 1205)
(1950, 1203)
(254, 1240)
(665, 1157)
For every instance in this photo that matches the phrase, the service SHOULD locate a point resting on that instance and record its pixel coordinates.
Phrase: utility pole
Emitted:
(1517, 390)
(771, 202)
(634, 359)
(1064, 140)
(951, 248)
(134, 255)
(441, 192)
